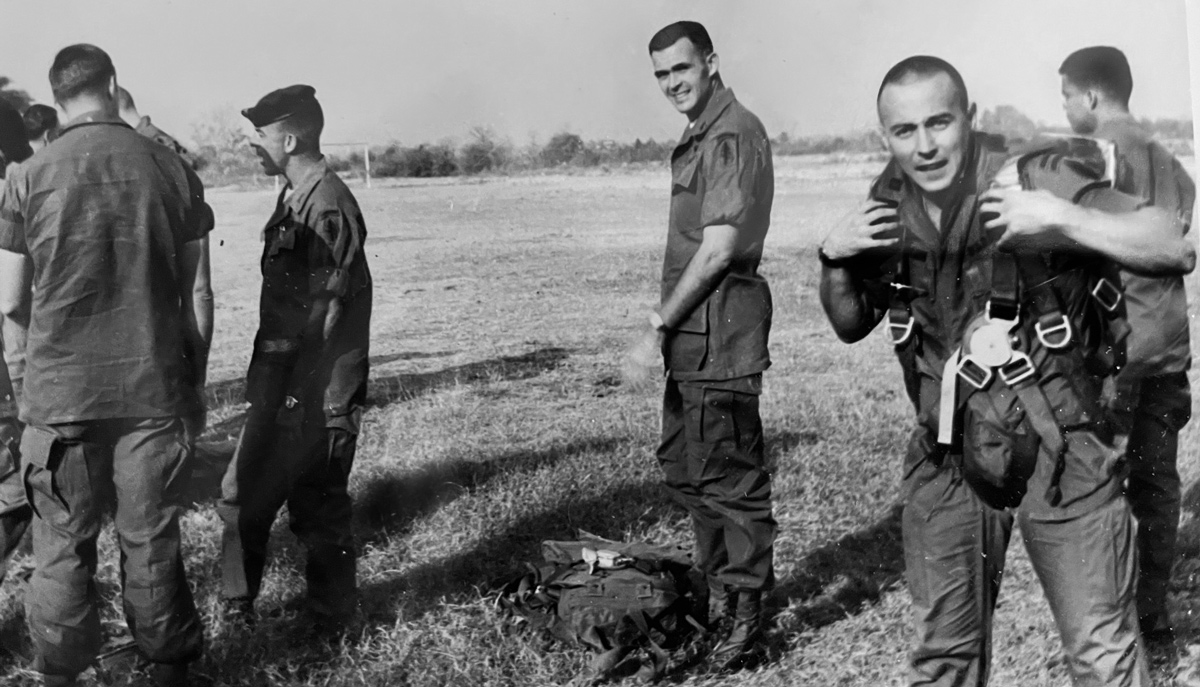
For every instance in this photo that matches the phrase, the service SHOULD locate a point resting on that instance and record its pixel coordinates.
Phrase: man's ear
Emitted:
(290, 143)
(112, 87)
(714, 63)
(1093, 98)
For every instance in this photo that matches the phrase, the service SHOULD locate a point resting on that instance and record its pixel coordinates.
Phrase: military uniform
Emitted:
(147, 129)
(712, 442)
(1075, 525)
(15, 513)
(105, 385)
(306, 395)
(1153, 395)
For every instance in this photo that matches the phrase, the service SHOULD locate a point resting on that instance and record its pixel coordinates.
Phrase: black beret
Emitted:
(278, 105)
(14, 145)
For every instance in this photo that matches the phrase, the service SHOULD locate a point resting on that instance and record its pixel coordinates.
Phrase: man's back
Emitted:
(102, 214)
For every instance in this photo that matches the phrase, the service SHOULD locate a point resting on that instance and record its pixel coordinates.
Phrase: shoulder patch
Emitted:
(727, 150)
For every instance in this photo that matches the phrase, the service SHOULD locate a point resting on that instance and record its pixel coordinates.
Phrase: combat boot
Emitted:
(735, 650)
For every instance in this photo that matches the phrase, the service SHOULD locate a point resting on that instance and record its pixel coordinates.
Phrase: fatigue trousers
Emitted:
(295, 460)
(954, 548)
(73, 475)
(15, 513)
(1156, 409)
(713, 465)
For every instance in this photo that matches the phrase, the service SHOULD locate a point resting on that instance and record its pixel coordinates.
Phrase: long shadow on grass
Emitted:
(388, 599)
(839, 579)
(215, 449)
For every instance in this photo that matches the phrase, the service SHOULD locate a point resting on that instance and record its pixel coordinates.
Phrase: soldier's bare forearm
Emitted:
(845, 302)
(1150, 240)
(702, 274)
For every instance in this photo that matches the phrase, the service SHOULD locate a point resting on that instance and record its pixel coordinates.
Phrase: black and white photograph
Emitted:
(533, 343)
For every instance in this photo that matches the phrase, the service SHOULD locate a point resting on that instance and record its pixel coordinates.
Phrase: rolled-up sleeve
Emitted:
(732, 165)
(199, 219)
(331, 259)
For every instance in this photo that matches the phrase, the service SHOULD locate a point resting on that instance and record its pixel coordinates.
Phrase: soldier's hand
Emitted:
(1031, 220)
(866, 227)
(640, 366)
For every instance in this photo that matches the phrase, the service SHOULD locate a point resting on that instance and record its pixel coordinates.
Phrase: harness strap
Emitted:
(901, 323)
(1041, 417)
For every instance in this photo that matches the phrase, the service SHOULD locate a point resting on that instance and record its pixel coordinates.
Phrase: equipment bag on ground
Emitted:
(615, 598)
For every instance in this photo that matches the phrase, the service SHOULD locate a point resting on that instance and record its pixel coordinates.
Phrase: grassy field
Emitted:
(498, 420)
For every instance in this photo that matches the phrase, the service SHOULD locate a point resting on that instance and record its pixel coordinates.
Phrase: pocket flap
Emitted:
(684, 179)
(37, 444)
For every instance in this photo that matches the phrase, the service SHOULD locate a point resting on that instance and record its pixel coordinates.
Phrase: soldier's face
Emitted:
(1077, 104)
(268, 142)
(685, 76)
(926, 129)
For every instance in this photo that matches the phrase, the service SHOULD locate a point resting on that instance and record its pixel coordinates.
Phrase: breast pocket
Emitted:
(683, 176)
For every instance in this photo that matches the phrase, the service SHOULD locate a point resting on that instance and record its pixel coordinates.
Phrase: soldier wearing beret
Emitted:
(711, 328)
(307, 380)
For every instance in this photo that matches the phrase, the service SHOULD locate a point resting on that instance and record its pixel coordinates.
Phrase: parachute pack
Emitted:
(1019, 382)
(624, 601)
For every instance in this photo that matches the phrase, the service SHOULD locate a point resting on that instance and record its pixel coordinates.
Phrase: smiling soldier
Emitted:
(921, 251)
(711, 327)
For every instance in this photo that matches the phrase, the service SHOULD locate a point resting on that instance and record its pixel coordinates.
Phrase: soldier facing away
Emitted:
(115, 360)
(1153, 399)
(307, 381)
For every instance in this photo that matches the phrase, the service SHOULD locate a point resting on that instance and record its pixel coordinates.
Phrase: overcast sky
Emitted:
(416, 71)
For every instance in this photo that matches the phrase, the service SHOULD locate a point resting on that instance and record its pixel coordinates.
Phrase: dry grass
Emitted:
(502, 306)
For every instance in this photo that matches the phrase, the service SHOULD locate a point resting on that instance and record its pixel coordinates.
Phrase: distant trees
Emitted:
(222, 148)
(1009, 122)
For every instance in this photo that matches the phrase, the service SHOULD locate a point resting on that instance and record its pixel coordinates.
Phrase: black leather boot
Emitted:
(739, 646)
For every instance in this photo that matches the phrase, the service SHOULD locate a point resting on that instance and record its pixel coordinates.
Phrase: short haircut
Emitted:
(125, 99)
(78, 69)
(39, 119)
(925, 66)
(672, 33)
(1101, 67)
(306, 124)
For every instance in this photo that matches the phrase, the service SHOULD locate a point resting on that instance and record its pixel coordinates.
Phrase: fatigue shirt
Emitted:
(721, 174)
(314, 250)
(145, 128)
(1157, 306)
(102, 213)
(951, 269)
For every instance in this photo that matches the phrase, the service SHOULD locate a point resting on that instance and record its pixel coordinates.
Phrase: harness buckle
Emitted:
(900, 332)
(1107, 294)
(1017, 370)
(974, 373)
(1047, 333)
(1016, 312)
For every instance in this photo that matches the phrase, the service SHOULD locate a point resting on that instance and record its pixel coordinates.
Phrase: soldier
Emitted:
(307, 380)
(41, 125)
(115, 359)
(143, 126)
(1153, 395)
(14, 147)
(711, 328)
(923, 252)
(15, 513)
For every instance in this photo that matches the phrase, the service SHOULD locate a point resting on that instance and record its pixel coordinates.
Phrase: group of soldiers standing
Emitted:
(1035, 300)
(107, 301)
(1000, 291)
